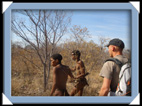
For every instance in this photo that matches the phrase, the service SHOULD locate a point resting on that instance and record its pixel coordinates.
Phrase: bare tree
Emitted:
(103, 42)
(43, 30)
(79, 34)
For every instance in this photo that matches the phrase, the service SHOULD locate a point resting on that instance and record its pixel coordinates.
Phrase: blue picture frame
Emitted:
(71, 100)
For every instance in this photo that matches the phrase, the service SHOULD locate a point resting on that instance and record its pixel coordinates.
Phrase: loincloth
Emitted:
(80, 83)
(61, 92)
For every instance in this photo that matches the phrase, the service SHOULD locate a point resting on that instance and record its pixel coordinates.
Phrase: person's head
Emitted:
(76, 54)
(56, 59)
(115, 47)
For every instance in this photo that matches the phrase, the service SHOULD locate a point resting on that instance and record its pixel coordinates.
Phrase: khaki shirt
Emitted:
(110, 70)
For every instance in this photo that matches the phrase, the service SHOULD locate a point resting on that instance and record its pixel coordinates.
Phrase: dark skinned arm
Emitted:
(70, 73)
(73, 69)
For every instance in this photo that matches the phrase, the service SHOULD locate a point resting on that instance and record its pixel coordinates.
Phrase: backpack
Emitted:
(124, 84)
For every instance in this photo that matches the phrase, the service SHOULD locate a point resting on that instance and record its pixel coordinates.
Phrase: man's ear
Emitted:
(113, 48)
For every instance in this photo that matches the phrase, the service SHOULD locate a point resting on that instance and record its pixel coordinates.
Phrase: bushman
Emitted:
(80, 68)
(60, 76)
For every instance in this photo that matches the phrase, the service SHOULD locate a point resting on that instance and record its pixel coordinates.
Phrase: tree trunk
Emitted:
(45, 77)
(48, 72)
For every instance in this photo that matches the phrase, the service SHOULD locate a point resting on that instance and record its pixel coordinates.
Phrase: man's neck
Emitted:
(77, 60)
(117, 53)
(59, 65)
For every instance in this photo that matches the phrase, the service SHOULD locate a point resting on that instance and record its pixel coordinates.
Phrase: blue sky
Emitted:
(109, 24)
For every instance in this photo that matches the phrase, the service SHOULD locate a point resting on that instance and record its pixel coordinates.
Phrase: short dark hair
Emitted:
(57, 56)
(77, 53)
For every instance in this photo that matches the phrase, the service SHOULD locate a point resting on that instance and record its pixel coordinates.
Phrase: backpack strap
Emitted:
(124, 71)
(116, 61)
(119, 63)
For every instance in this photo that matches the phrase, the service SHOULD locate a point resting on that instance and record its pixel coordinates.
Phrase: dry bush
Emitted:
(28, 80)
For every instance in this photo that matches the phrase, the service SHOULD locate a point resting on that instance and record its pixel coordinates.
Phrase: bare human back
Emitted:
(60, 76)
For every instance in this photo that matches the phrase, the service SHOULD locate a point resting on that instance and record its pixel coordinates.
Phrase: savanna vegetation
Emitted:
(30, 64)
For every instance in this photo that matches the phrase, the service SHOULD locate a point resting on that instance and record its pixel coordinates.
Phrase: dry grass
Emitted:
(24, 84)
(27, 80)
